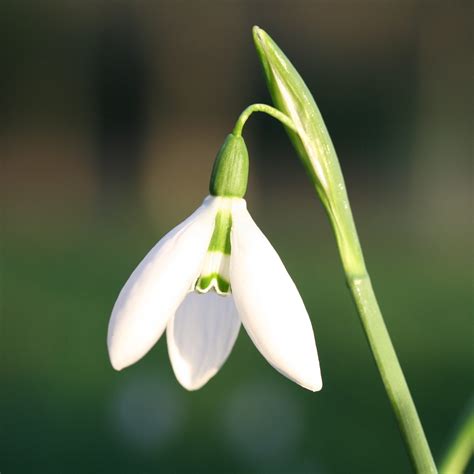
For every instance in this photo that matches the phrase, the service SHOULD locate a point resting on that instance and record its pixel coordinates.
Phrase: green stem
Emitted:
(462, 447)
(379, 340)
(284, 119)
(391, 373)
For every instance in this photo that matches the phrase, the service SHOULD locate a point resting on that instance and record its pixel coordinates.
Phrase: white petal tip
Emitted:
(316, 386)
(117, 364)
(117, 367)
(192, 385)
(310, 380)
(119, 360)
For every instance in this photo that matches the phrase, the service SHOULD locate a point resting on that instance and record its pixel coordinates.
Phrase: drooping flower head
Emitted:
(203, 279)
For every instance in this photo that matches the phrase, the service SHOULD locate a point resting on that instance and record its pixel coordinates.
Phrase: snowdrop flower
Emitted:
(203, 279)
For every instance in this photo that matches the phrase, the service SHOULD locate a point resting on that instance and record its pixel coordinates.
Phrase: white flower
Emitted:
(200, 281)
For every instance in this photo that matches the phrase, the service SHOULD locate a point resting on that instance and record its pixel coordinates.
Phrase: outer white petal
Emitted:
(157, 287)
(201, 336)
(269, 304)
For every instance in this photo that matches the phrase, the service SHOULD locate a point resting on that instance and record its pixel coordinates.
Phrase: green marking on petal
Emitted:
(220, 240)
(215, 267)
(214, 280)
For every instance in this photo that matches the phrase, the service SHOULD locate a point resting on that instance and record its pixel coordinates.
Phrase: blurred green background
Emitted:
(112, 115)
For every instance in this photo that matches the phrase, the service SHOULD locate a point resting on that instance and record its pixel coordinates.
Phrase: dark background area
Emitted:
(112, 113)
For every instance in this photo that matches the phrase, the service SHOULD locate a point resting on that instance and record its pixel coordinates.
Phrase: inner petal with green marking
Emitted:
(215, 273)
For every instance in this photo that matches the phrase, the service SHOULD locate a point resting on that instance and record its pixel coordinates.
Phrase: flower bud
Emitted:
(311, 139)
(291, 95)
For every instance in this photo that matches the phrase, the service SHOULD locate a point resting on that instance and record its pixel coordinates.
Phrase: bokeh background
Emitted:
(112, 113)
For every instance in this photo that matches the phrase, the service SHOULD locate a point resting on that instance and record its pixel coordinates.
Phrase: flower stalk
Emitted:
(268, 109)
(311, 139)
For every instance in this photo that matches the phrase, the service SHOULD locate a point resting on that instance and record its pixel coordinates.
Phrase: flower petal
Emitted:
(157, 287)
(269, 305)
(201, 336)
